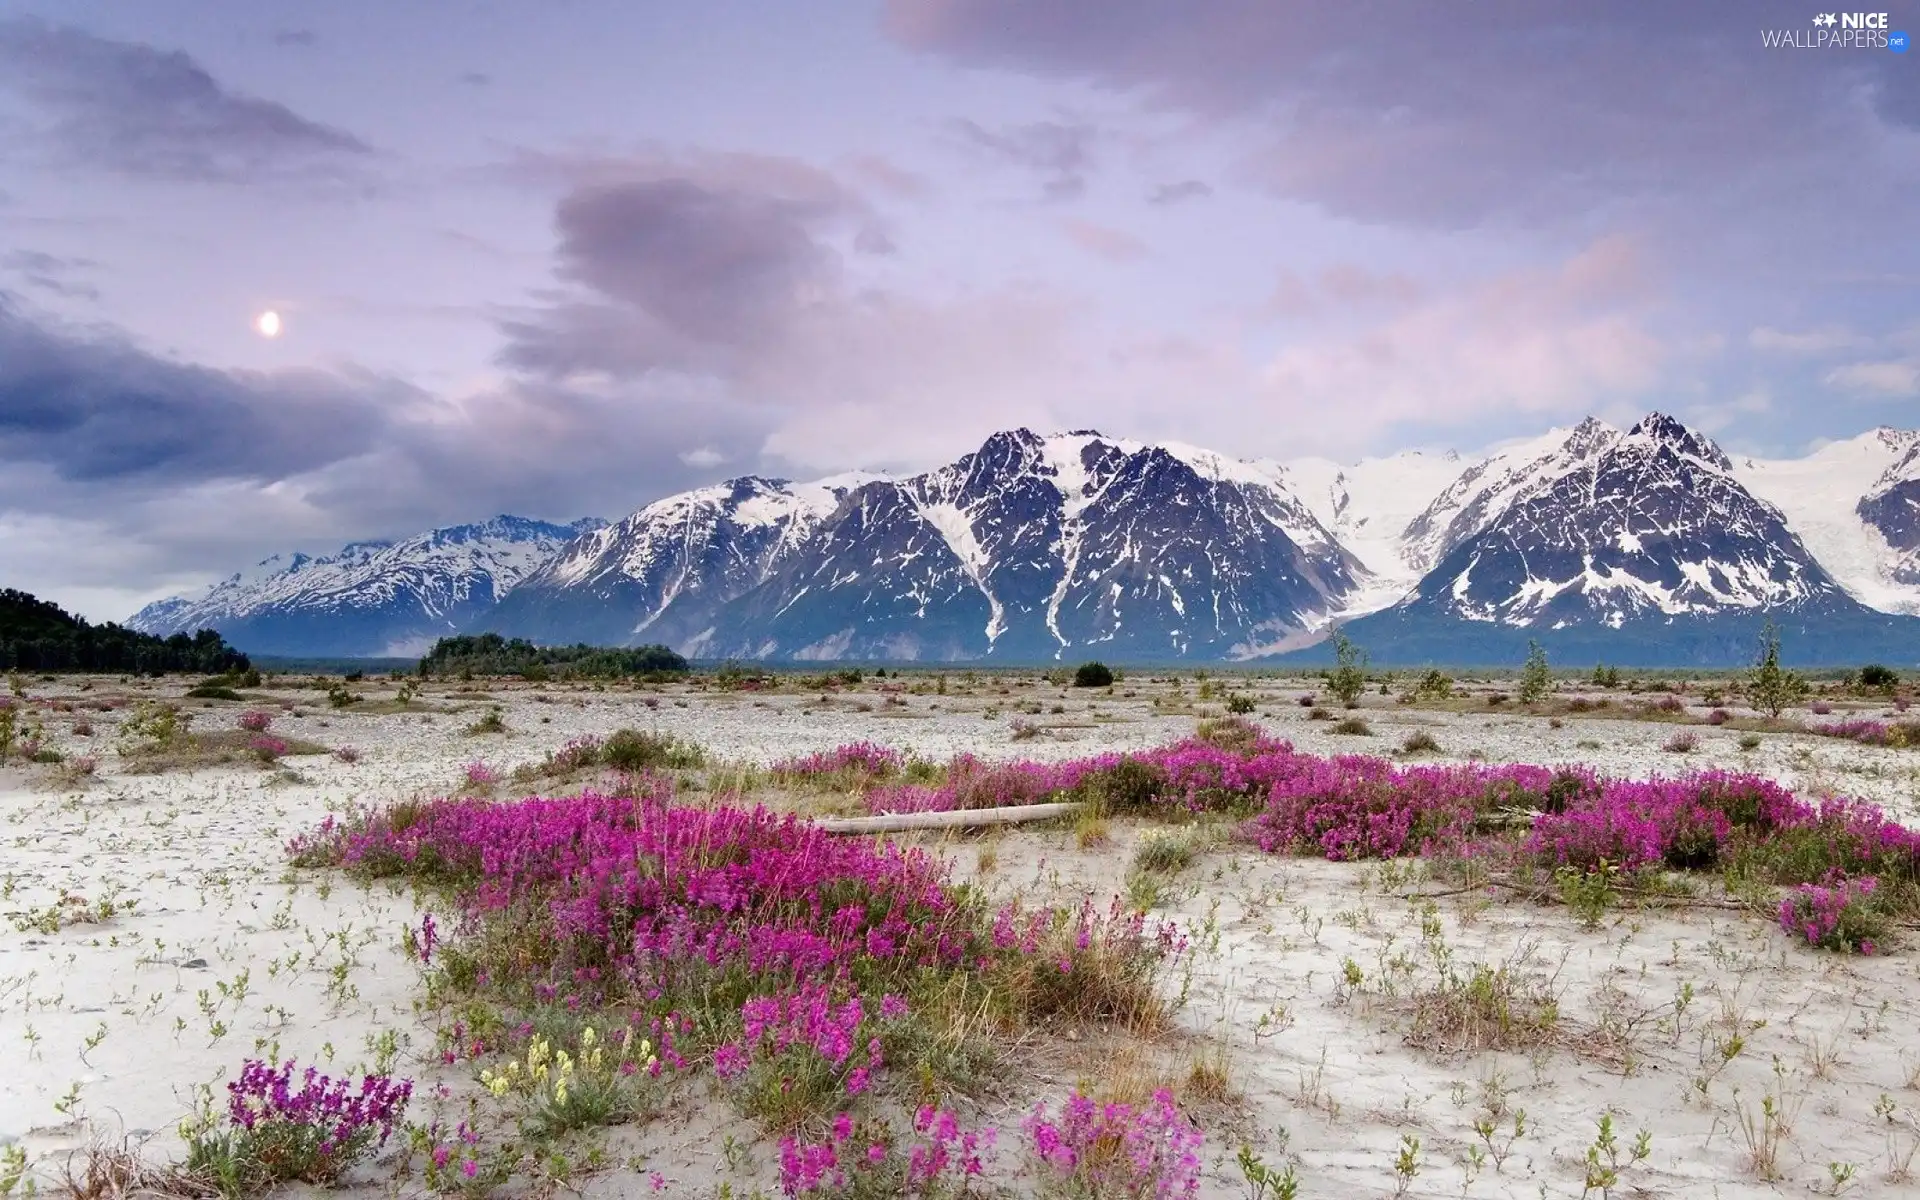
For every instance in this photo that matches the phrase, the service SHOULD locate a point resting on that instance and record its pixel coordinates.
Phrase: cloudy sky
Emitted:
(564, 258)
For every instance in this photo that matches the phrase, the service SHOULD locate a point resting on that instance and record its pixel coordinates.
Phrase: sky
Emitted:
(563, 259)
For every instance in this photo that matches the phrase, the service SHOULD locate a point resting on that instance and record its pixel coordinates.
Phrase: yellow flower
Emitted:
(560, 1092)
(586, 1038)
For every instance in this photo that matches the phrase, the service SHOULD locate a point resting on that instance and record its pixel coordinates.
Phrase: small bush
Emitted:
(494, 722)
(1349, 676)
(1820, 708)
(1433, 686)
(1749, 741)
(1719, 716)
(339, 696)
(1164, 852)
(1420, 742)
(640, 750)
(1353, 727)
(256, 721)
(1093, 675)
(1240, 704)
(1307, 701)
(1319, 714)
(1684, 742)
(347, 754)
(213, 691)
(1536, 679)
(1878, 677)
(1606, 677)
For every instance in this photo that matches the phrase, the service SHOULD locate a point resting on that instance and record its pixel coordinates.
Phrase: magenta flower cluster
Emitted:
(479, 774)
(940, 1157)
(256, 721)
(807, 1021)
(862, 758)
(1827, 915)
(1870, 732)
(312, 1126)
(638, 884)
(266, 747)
(1151, 1152)
(1355, 806)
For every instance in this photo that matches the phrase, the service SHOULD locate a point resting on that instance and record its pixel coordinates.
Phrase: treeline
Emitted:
(491, 654)
(37, 635)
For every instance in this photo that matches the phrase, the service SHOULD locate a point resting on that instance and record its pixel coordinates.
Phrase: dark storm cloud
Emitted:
(147, 112)
(1060, 153)
(1455, 114)
(1174, 193)
(97, 410)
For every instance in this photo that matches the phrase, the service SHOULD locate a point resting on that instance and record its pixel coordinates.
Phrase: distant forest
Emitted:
(491, 654)
(37, 635)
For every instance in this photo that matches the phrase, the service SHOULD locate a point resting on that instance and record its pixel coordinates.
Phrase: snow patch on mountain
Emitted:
(1821, 495)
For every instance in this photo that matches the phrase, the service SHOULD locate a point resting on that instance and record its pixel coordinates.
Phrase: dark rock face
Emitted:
(1640, 548)
(1892, 509)
(1031, 547)
(1650, 526)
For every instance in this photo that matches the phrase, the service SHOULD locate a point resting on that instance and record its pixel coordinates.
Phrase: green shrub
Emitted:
(1434, 685)
(1349, 676)
(1536, 679)
(1093, 675)
(1879, 677)
(1770, 687)
(213, 691)
(1239, 704)
(1353, 726)
(640, 750)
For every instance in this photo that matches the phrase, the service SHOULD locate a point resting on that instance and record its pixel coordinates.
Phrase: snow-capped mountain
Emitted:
(1646, 540)
(658, 575)
(1016, 552)
(370, 598)
(1844, 501)
(1645, 545)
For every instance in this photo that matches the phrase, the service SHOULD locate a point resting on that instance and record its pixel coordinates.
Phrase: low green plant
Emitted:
(1605, 1161)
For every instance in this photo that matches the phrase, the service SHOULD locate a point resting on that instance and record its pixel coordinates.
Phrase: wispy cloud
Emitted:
(142, 111)
(1059, 152)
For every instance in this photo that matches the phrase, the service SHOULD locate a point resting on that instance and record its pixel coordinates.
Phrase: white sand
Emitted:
(224, 957)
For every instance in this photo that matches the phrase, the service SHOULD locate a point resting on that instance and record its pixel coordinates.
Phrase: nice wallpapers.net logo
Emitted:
(1839, 31)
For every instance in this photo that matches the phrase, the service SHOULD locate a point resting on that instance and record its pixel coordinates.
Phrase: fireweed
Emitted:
(1841, 915)
(855, 759)
(1094, 1151)
(810, 973)
(864, 1159)
(283, 1126)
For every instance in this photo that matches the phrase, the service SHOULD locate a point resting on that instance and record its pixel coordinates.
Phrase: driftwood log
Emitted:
(965, 818)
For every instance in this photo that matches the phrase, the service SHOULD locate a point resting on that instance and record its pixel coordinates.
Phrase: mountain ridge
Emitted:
(1038, 547)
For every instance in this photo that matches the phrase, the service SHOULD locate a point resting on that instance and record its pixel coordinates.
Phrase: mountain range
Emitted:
(1648, 545)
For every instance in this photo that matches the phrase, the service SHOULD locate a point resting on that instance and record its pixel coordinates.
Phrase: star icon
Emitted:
(1827, 19)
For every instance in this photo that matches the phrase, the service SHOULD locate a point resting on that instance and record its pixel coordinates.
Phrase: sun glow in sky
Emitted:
(268, 324)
